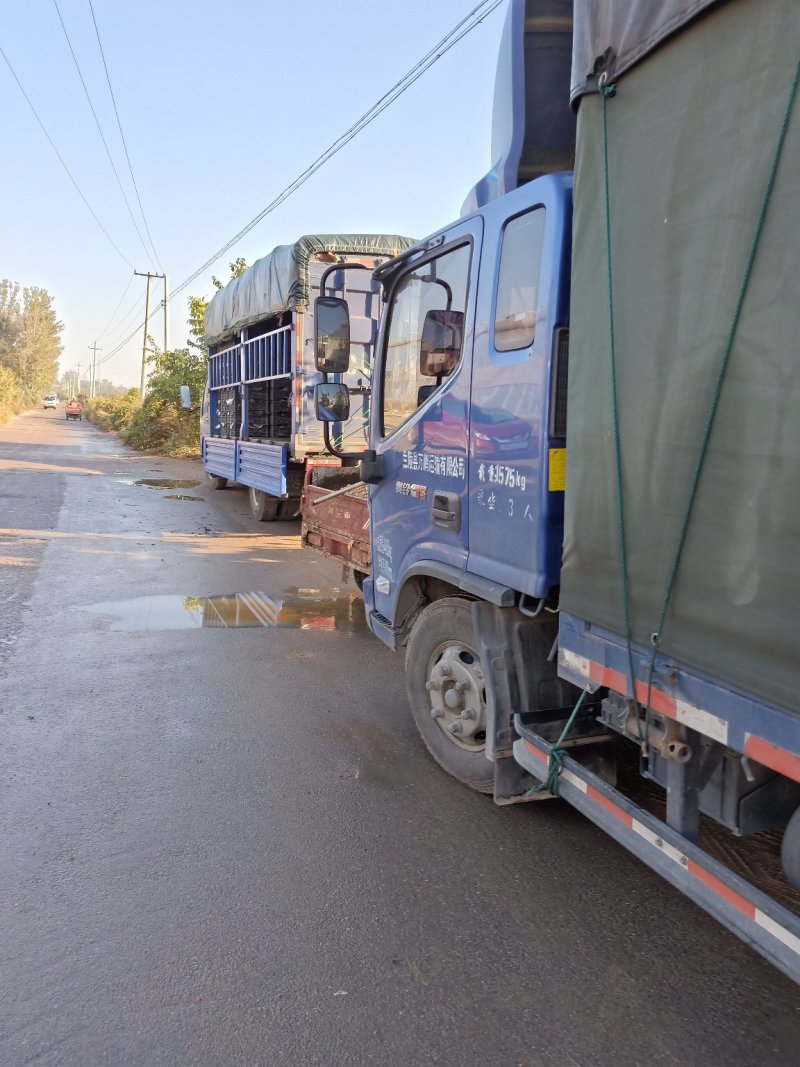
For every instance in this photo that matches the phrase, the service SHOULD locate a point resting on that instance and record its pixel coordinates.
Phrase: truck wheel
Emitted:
(447, 691)
(263, 506)
(213, 481)
(287, 509)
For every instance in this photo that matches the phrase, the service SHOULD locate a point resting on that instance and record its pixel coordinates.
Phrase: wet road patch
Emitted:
(166, 483)
(343, 613)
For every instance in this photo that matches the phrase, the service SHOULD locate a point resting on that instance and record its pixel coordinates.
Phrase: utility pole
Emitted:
(166, 298)
(93, 380)
(149, 275)
(78, 386)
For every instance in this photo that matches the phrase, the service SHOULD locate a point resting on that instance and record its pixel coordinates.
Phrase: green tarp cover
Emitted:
(280, 282)
(691, 133)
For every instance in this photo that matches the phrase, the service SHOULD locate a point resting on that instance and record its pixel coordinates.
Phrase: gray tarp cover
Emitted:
(691, 133)
(630, 28)
(279, 281)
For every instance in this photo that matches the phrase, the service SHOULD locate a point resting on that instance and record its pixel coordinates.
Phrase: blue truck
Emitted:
(257, 422)
(624, 636)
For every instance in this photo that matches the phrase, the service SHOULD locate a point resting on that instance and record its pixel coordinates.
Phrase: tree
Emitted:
(10, 319)
(171, 370)
(198, 305)
(30, 336)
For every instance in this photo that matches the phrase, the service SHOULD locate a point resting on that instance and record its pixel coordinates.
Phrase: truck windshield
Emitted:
(437, 285)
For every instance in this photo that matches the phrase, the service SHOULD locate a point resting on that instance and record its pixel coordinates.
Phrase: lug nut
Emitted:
(437, 713)
(468, 713)
(462, 686)
(432, 684)
(445, 671)
(455, 727)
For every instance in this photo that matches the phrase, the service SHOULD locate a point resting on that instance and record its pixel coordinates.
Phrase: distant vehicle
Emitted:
(257, 418)
(50, 401)
(74, 410)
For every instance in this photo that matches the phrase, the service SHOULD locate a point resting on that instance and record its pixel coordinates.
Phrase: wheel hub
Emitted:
(457, 694)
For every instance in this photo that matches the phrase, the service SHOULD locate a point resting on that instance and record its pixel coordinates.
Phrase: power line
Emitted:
(459, 31)
(122, 136)
(118, 347)
(456, 34)
(107, 327)
(108, 236)
(99, 129)
(136, 308)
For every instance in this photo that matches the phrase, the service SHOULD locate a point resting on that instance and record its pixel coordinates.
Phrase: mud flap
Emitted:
(514, 651)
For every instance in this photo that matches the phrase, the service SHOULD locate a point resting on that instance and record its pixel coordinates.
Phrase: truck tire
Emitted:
(446, 691)
(213, 481)
(263, 506)
(287, 509)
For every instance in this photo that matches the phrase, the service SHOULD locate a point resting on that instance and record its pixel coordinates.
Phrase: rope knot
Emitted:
(605, 88)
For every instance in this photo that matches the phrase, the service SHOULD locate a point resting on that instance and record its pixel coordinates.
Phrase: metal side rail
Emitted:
(771, 929)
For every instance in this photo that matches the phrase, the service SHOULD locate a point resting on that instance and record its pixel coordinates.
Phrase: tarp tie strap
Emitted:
(555, 762)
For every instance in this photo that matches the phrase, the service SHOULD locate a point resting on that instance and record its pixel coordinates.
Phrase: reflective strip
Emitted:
(652, 838)
(771, 756)
(679, 710)
(537, 752)
(574, 780)
(721, 888)
(702, 721)
(571, 661)
(777, 931)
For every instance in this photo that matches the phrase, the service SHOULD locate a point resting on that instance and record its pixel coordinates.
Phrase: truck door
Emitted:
(420, 417)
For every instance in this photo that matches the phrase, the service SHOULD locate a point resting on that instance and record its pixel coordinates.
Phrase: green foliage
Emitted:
(113, 412)
(198, 305)
(160, 424)
(12, 400)
(10, 389)
(30, 337)
(169, 371)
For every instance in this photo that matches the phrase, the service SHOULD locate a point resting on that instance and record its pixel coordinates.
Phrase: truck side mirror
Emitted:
(186, 397)
(331, 335)
(332, 402)
(440, 347)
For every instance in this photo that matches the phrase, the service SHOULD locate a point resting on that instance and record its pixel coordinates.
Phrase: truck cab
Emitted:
(468, 423)
(466, 465)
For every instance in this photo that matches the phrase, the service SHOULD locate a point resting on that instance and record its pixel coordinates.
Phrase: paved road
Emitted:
(227, 846)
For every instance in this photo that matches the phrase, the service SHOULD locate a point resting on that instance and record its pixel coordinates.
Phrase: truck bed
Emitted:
(337, 527)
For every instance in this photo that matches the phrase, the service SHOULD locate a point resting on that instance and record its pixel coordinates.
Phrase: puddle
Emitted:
(166, 483)
(343, 613)
(182, 496)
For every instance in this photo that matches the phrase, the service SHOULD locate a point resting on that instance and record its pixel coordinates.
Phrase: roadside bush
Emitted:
(12, 398)
(169, 431)
(113, 412)
(160, 424)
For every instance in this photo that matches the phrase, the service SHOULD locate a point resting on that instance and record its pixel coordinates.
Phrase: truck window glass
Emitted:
(437, 285)
(518, 282)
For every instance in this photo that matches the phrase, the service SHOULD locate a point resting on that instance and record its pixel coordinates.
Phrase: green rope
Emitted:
(607, 92)
(555, 762)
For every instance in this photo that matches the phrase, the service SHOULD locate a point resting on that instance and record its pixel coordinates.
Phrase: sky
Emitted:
(222, 104)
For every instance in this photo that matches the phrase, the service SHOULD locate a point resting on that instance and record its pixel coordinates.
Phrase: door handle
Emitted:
(446, 511)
